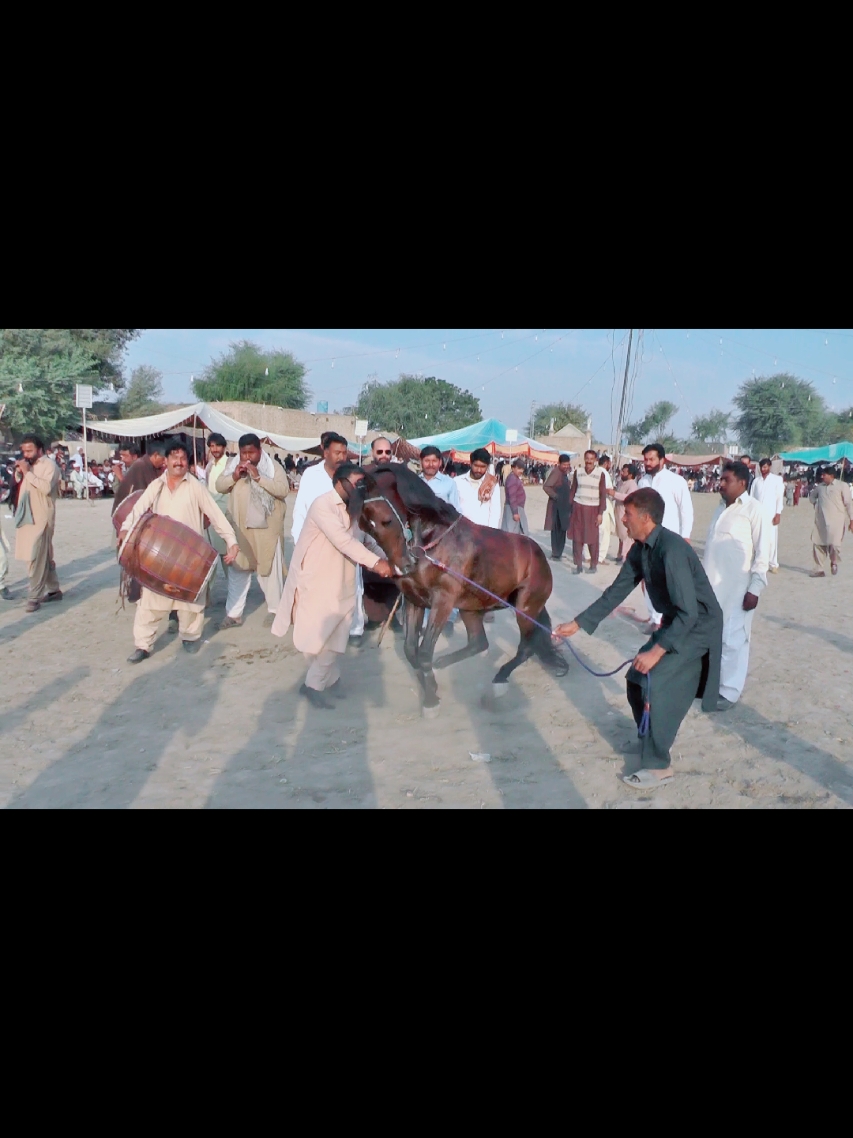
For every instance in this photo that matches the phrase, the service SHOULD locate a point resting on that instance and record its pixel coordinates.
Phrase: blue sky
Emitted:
(506, 369)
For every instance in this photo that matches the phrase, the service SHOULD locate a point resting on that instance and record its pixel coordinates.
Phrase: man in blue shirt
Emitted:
(441, 485)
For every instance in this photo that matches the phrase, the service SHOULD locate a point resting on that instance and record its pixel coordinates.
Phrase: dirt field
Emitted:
(79, 727)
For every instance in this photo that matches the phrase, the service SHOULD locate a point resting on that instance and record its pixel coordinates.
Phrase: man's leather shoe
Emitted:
(138, 656)
(724, 704)
(192, 646)
(316, 698)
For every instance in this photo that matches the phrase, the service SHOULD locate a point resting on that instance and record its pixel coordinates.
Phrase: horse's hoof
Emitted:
(432, 712)
(499, 690)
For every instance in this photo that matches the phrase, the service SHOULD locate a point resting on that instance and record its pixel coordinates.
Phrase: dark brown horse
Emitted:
(412, 525)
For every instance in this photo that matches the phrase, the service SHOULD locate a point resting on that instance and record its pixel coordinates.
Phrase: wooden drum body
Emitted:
(168, 558)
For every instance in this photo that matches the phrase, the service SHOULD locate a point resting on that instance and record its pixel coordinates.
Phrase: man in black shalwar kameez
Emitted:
(683, 655)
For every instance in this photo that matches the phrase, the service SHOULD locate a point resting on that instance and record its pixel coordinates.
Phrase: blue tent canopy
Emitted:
(479, 435)
(833, 453)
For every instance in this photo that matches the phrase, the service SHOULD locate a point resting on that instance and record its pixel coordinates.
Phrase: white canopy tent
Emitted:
(198, 415)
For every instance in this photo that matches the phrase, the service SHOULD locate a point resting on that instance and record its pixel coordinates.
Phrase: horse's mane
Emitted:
(415, 494)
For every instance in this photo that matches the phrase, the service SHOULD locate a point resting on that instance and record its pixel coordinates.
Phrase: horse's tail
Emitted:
(544, 647)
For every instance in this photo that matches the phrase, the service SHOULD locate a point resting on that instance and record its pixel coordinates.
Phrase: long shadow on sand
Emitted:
(827, 636)
(74, 596)
(323, 763)
(109, 768)
(830, 772)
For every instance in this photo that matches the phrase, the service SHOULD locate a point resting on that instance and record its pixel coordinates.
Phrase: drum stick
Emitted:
(384, 628)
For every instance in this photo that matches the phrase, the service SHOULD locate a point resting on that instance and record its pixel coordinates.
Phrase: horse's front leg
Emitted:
(438, 614)
(413, 620)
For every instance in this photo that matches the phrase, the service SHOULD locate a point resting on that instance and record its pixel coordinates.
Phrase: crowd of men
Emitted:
(700, 612)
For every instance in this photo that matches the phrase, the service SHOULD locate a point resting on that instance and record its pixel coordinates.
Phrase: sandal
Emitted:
(645, 778)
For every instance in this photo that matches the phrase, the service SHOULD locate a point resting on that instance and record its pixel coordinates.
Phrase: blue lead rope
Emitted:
(645, 720)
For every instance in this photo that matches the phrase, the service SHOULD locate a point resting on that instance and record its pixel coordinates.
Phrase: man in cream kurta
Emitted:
(736, 556)
(319, 594)
(35, 519)
(833, 510)
(176, 494)
(769, 490)
(255, 488)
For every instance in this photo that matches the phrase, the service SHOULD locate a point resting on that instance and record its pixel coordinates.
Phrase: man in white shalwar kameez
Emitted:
(736, 555)
(769, 490)
(608, 518)
(468, 486)
(678, 504)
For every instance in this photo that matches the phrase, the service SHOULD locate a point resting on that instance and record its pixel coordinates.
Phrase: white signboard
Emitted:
(83, 396)
(512, 436)
(360, 428)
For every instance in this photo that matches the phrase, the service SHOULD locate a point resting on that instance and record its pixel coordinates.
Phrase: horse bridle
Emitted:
(407, 529)
(404, 526)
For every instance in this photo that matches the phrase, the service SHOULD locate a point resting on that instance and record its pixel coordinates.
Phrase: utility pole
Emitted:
(532, 418)
(623, 402)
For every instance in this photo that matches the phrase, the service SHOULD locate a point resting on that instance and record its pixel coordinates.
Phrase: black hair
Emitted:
(430, 450)
(329, 437)
(649, 502)
(156, 446)
(344, 471)
(739, 469)
(765, 462)
(517, 462)
(249, 440)
(39, 444)
(173, 445)
(481, 455)
(658, 448)
(604, 458)
(632, 470)
(746, 457)
(216, 438)
(131, 448)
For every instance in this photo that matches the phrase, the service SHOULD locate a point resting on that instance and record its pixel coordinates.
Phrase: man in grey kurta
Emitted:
(683, 655)
(833, 510)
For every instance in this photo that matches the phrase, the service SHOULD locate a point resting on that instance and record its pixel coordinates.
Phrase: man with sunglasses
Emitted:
(380, 450)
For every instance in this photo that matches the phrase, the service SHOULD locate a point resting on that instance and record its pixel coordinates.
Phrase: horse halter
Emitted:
(404, 526)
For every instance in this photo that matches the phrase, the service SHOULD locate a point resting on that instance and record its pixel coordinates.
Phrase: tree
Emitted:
(414, 406)
(562, 414)
(842, 431)
(38, 389)
(711, 428)
(781, 412)
(652, 428)
(248, 373)
(105, 346)
(144, 393)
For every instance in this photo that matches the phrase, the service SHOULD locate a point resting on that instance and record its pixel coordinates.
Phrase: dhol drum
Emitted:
(125, 508)
(168, 558)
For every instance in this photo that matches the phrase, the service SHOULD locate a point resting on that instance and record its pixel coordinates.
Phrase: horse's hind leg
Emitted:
(477, 641)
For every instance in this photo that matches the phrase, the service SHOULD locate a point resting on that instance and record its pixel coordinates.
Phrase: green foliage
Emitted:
(781, 412)
(39, 391)
(413, 406)
(711, 428)
(105, 346)
(842, 429)
(144, 393)
(652, 428)
(240, 374)
(561, 413)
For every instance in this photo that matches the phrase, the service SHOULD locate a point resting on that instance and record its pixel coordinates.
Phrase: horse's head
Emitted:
(384, 517)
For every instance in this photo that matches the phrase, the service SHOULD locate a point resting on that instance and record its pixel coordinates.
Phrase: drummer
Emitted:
(177, 495)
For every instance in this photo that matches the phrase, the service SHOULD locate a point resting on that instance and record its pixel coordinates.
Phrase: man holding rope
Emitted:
(683, 655)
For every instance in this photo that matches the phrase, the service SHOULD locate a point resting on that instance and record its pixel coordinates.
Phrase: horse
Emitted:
(414, 528)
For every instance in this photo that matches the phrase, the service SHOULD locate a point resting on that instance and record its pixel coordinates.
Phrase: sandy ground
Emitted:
(79, 727)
